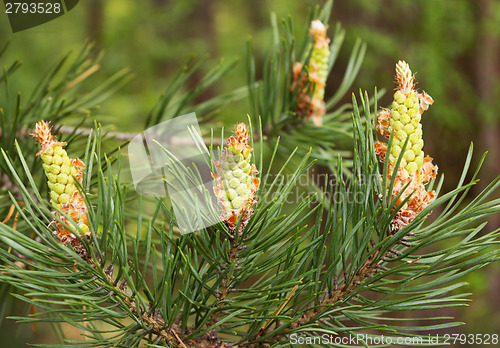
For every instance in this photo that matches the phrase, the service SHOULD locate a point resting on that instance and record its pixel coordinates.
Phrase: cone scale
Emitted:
(61, 172)
(317, 72)
(236, 179)
(415, 170)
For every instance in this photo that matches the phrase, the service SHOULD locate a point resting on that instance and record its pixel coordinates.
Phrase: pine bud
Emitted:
(236, 181)
(403, 120)
(319, 57)
(61, 172)
(317, 71)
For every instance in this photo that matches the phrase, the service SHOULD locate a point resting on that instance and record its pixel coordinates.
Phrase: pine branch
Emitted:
(222, 293)
(367, 270)
(85, 132)
(125, 136)
(236, 246)
(122, 136)
(337, 296)
(152, 320)
(120, 291)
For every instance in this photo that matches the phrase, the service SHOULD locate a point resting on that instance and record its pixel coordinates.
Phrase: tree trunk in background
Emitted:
(160, 2)
(487, 75)
(203, 16)
(199, 23)
(95, 21)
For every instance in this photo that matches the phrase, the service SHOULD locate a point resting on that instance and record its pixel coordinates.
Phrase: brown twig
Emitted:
(156, 325)
(122, 136)
(225, 289)
(87, 131)
(365, 271)
(338, 294)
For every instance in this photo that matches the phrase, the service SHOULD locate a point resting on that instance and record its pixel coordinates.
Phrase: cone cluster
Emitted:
(317, 71)
(403, 121)
(236, 179)
(61, 172)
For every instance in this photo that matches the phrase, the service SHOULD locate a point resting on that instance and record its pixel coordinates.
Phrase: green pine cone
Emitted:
(236, 179)
(60, 172)
(319, 58)
(405, 121)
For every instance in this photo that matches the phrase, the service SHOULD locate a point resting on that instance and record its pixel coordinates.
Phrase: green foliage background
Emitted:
(442, 41)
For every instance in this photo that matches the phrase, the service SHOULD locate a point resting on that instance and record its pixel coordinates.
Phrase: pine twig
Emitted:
(155, 323)
(225, 289)
(122, 136)
(339, 294)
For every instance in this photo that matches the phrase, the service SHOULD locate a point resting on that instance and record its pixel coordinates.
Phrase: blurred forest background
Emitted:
(453, 45)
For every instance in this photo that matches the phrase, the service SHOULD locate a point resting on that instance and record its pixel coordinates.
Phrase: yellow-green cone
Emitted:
(403, 120)
(237, 183)
(61, 172)
(405, 116)
(317, 71)
(319, 57)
